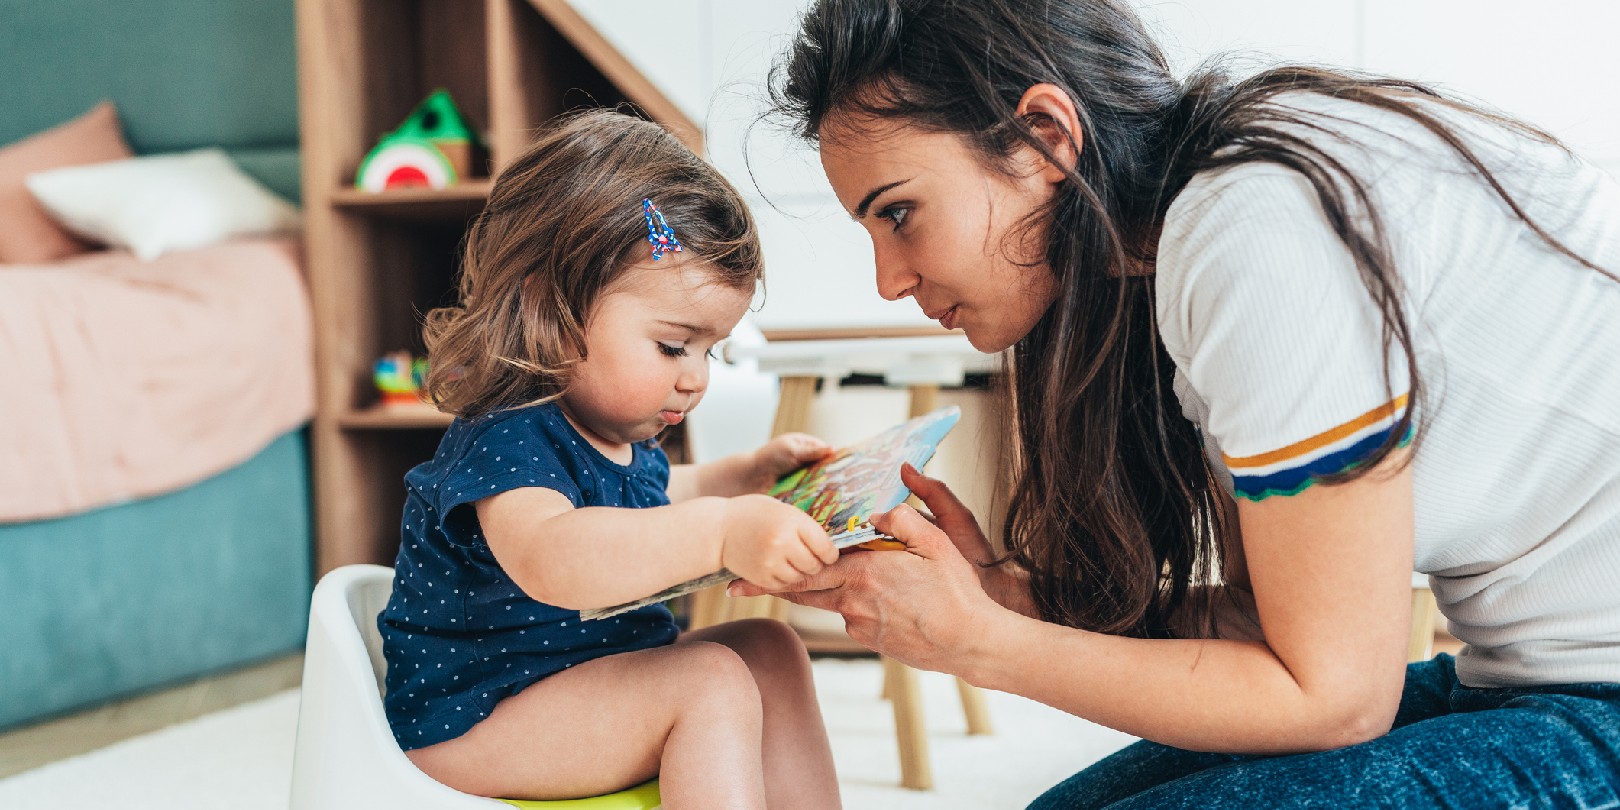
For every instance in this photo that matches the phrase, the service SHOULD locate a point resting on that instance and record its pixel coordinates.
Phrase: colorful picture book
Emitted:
(862, 480)
(842, 491)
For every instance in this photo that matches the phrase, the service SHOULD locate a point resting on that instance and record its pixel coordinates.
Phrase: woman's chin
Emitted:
(986, 340)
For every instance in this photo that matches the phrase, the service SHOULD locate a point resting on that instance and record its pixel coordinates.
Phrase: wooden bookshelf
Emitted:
(462, 200)
(377, 261)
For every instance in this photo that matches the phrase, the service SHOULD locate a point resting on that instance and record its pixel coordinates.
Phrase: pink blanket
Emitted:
(124, 379)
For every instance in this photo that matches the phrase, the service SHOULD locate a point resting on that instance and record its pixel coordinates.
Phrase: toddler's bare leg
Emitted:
(688, 713)
(797, 756)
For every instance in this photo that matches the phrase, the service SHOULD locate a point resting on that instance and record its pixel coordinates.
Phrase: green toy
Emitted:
(432, 148)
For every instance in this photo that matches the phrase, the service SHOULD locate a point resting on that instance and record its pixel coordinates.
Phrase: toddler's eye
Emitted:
(676, 350)
(896, 214)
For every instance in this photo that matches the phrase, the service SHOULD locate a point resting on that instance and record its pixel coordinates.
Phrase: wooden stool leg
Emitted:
(900, 681)
(1420, 641)
(792, 416)
(924, 399)
(910, 733)
(707, 606)
(973, 705)
(793, 406)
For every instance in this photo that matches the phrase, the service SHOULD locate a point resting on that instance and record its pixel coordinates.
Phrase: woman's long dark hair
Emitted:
(1115, 512)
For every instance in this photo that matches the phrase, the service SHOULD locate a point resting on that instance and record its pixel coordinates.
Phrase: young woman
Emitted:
(1276, 344)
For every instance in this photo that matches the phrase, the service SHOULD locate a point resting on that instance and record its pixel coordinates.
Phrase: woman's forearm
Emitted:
(1008, 585)
(1203, 695)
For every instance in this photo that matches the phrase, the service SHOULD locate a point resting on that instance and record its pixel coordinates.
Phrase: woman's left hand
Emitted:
(923, 606)
(782, 455)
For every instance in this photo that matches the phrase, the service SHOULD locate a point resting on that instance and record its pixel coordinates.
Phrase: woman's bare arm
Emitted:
(1330, 570)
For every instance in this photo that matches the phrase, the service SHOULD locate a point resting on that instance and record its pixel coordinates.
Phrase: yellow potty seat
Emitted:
(641, 797)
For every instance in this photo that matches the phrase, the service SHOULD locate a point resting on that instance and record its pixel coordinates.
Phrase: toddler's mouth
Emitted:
(671, 417)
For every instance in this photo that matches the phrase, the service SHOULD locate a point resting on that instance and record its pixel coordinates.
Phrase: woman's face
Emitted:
(946, 229)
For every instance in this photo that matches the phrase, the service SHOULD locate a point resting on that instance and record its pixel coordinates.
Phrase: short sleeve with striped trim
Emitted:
(1271, 328)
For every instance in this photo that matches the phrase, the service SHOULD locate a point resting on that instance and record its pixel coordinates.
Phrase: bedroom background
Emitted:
(131, 558)
(154, 481)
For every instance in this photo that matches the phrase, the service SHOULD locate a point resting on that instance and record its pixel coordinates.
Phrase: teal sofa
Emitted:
(136, 595)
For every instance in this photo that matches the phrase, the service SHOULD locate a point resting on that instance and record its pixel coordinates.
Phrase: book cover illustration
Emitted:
(863, 479)
(840, 491)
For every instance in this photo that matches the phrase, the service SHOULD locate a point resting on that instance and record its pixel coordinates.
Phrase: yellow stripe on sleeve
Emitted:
(1320, 440)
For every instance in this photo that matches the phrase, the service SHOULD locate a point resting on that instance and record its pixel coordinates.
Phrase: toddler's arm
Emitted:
(601, 556)
(744, 473)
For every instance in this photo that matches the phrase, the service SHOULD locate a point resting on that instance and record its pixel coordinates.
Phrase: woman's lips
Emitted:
(948, 319)
(672, 417)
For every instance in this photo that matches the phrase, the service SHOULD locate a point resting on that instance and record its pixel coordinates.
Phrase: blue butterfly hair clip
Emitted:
(658, 233)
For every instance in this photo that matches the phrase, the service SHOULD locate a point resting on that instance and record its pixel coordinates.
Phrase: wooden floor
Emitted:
(29, 747)
(32, 746)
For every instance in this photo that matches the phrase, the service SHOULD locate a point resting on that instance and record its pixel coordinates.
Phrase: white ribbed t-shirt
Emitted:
(1516, 479)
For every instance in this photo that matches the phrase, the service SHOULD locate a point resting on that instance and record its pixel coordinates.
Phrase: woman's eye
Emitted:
(895, 214)
(672, 351)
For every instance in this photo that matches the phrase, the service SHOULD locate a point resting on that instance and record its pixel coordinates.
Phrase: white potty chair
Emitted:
(346, 756)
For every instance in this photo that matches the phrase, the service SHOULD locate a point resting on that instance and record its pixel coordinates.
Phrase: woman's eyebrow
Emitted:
(866, 202)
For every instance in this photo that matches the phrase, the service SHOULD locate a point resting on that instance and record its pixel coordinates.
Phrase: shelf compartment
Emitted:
(460, 201)
(545, 59)
(382, 58)
(397, 417)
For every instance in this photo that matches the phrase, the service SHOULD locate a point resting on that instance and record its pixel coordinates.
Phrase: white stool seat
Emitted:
(346, 757)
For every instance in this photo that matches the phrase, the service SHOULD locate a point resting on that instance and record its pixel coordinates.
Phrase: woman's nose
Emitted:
(894, 280)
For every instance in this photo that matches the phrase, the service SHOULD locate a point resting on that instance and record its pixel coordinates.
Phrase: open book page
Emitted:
(841, 492)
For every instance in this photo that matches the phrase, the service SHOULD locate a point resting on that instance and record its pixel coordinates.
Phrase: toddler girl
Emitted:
(608, 262)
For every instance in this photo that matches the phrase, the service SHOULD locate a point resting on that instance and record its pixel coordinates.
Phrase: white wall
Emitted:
(1549, 62)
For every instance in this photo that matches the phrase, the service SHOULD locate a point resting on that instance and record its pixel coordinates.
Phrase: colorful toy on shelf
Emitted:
(432, 148)
(399, 378)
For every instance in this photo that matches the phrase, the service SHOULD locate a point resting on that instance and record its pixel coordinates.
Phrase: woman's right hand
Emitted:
(772, 544)
(1007, 583)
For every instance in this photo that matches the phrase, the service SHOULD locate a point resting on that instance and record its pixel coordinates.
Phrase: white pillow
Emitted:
(160, 203)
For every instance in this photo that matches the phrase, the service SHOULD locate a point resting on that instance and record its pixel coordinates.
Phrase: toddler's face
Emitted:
(647, 342)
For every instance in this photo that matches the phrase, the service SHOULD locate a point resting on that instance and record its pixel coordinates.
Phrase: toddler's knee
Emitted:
(716, 686)
(712, 664)
(770, 643)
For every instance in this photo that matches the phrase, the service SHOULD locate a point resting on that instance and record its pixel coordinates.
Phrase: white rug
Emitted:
(242, 757)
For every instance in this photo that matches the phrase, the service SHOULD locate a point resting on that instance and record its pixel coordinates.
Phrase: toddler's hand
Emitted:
(772, 544)
(784, 454)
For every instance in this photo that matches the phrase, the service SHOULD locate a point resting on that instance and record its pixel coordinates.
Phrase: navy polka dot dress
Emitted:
(458, 634)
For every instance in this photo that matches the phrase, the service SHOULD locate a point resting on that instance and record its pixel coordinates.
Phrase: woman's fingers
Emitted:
(824, 600)
(828, 578)
(920, 536)
(947, 508)
(949, 513)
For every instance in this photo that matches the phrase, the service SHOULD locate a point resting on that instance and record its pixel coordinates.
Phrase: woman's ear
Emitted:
(1055, 121)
